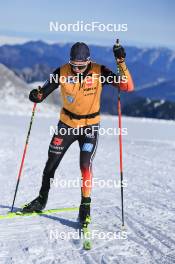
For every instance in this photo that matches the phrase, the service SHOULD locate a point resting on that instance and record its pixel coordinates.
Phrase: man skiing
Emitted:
(80, 94)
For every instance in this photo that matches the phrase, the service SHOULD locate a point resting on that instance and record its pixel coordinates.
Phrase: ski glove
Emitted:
(36, 96)
(119, 52)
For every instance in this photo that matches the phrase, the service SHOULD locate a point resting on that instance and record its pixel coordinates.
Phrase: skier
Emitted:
(80, 94)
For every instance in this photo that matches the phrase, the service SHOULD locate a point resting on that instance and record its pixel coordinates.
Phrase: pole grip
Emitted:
(117, 43)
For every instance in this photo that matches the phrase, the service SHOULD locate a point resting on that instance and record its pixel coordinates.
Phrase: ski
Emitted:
(44, 212)
(86, 233)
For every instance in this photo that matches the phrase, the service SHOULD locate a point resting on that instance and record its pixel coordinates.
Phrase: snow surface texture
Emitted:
(149, 197)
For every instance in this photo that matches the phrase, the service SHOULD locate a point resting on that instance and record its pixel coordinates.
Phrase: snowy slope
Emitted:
(14, 95)
(149, 198)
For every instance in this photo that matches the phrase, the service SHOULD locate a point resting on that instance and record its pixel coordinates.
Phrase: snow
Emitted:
(157, 104)
(14, 94)
(152, 84)
(148, 158)
(154, 56)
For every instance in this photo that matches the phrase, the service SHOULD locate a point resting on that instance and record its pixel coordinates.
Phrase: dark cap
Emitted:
(79, 52)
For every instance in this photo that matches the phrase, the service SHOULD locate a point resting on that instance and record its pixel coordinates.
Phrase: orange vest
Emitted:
(80, 98)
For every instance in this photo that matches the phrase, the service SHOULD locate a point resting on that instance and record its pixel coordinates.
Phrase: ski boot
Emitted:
(84, 211)
(37, 205)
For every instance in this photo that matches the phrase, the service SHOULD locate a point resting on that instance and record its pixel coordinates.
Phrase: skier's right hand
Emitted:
(119, 53)
(36, 96)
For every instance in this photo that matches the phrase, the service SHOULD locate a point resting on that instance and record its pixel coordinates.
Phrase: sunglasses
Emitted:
(78, 67)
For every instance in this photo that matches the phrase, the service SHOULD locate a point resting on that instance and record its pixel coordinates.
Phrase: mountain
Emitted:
(14, 99)
(34, 60)
(11, 86)
(142, 107)
(161, 90)
(14, 94)
(38, 72)
(31, 53)
(152, 68)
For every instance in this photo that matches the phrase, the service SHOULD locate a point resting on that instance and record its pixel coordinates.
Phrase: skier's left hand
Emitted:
(36, 96)
(119, 53)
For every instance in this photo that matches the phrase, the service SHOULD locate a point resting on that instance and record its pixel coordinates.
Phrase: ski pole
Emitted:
(120, 145)
(24, 154)
(121, 154)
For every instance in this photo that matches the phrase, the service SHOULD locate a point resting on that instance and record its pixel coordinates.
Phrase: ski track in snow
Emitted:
(149, 197)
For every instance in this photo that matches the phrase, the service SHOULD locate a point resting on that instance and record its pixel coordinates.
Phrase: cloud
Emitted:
(12, 40)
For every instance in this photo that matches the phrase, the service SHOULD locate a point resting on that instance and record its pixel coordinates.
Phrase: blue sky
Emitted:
(149, 22)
